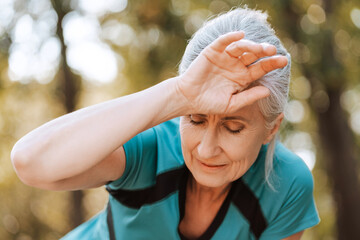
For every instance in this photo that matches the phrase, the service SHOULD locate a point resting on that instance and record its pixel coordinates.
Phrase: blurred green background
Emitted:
(59, 56)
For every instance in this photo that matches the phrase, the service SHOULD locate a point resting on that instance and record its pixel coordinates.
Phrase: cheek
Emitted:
(242, 146)
(248, 150)
(186, 133)
(243, 153)
(189, 135)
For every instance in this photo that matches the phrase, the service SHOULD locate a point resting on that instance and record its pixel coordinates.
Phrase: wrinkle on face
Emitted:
(211, 143)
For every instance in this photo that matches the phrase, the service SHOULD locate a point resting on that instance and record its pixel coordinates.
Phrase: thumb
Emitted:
(247, 97)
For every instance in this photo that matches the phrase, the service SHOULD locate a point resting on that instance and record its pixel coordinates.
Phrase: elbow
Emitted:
(24, 166)
(31, 170)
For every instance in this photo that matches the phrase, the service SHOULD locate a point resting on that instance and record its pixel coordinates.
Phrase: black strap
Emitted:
(166, 183)
(110, 222)
(248, 204)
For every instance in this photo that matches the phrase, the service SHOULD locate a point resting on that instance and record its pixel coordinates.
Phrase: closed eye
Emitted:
(233, 131)
(233, 127)
(196, 120)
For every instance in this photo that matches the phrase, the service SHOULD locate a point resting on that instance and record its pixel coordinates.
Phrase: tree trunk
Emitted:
(336, 137)
(339, 148)
(69, 89)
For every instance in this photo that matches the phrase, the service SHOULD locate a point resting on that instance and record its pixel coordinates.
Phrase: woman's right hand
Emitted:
(217, 81)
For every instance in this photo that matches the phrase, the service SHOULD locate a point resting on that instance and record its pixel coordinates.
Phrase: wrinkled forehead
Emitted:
(250, 114)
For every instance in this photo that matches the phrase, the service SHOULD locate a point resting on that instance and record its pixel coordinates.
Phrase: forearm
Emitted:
(73, 143)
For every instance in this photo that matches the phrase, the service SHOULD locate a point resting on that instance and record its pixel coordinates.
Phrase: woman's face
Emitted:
(218, 149)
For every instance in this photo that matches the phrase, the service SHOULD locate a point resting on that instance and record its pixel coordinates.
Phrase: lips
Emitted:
(212, 166)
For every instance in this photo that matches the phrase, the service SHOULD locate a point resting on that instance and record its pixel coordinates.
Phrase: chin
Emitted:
(209, 181)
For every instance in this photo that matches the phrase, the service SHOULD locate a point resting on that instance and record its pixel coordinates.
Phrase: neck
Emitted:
(205, 193)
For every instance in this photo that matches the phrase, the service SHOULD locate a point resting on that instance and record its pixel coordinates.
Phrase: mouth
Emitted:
(212, 166)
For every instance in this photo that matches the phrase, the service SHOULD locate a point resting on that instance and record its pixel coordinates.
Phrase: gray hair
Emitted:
(254, 24)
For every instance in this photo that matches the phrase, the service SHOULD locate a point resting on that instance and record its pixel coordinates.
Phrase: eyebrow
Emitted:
(229, 118)
(235, 118)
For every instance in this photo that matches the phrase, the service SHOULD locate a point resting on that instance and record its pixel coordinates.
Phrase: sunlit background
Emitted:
(116, 47)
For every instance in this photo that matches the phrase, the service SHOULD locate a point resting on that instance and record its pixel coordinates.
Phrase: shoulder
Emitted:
(292, 207)
(289, 208)
(291, 170)
(291, 178)
(288, 169)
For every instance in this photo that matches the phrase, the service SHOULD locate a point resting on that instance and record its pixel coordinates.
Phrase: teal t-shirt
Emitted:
(148, 201)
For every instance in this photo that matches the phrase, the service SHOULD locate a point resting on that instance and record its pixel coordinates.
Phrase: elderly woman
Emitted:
(194, 157)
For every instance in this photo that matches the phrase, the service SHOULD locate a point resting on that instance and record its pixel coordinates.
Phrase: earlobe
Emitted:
(272, 132)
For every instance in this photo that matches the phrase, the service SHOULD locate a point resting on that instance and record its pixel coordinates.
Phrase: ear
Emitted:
(275, 129)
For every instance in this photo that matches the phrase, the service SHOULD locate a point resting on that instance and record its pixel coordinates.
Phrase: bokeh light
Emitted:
(94, 61)
(320, 100)
(316, 14)
(79, 28)
(195, 20)
(301, 88)
(300, 52)
(120, 34)
(7, 13)
(11, 224)
(295, 111)
(355, 46)
(342, 39)
(355, 16)
(307, 156)
(180, 7)
(217, 6)
(301, 143)
(35, 51)
(308, 26)
(350, 101)
(86, 54)
(99, 8)
(355, 121)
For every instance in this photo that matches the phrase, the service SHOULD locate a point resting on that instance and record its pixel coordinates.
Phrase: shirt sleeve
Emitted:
(298, 212)
(140, 167)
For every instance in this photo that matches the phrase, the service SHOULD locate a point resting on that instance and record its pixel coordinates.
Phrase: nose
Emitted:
(208, 147)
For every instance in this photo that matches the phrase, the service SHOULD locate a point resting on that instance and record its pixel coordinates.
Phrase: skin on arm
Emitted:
(83, 149)
(112, 167)
(296, 236)
(86, 145)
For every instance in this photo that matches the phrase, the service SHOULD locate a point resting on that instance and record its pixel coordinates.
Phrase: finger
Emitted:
(223, 41)
(248, 58)
(269, 49)
(262, 67)
(247, 97)
(237, 49)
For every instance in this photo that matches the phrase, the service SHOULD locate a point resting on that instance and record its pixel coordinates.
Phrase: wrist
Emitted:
(178, 104)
